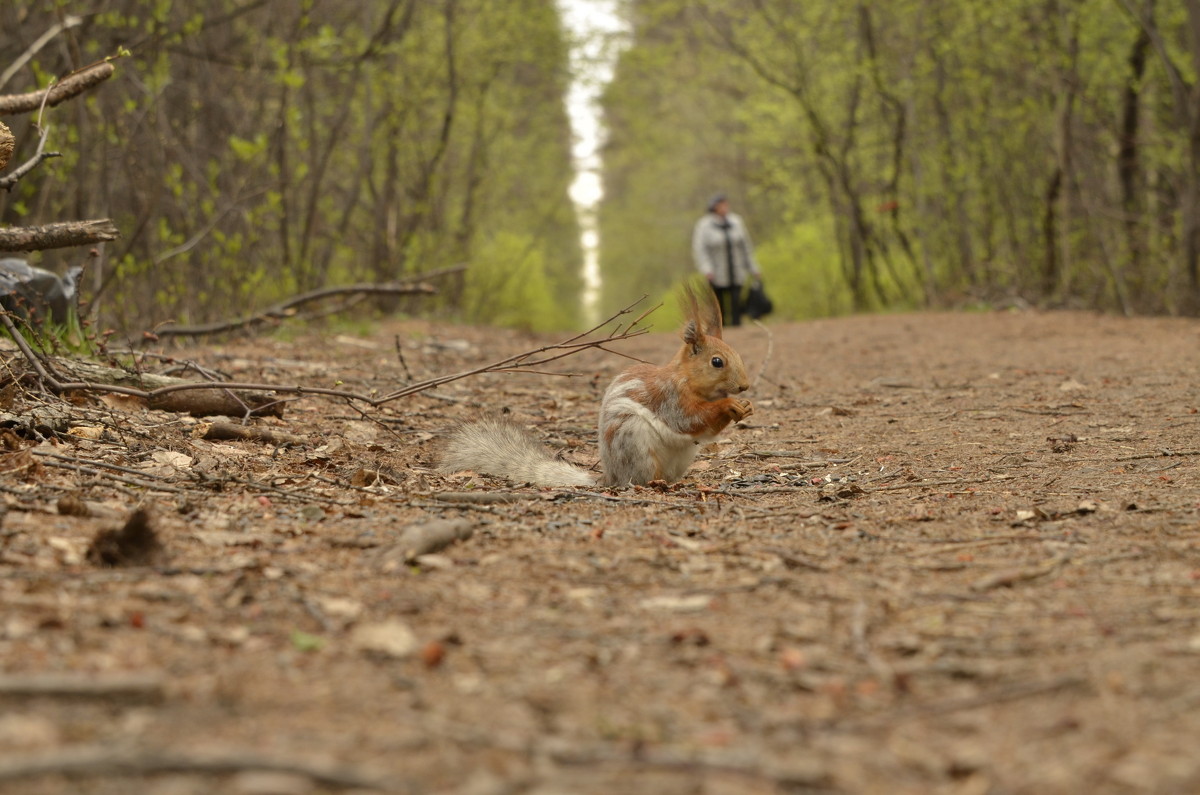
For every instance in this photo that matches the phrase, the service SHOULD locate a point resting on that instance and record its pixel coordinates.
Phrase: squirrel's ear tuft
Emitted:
(700, 307)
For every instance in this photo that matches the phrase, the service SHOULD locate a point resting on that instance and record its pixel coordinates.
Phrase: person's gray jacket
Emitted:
(711, 251)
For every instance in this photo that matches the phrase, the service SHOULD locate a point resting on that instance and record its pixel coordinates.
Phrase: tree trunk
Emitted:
(1051, 265)
(1129, 166)
(1191, 194)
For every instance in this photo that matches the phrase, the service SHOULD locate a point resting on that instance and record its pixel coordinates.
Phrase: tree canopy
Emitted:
(255, 148)
(915, 153)
(907, 154)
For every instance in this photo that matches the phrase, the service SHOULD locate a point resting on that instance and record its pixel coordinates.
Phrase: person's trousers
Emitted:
(732, 303)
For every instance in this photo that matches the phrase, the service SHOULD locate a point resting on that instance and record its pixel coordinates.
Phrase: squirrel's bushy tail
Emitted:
(500, 448)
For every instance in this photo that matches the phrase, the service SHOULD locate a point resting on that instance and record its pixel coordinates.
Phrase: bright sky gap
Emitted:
(597, 33)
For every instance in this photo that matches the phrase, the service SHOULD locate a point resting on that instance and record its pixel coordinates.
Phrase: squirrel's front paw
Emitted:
(740, 408)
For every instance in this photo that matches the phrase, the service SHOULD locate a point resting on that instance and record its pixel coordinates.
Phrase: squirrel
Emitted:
(652, 419)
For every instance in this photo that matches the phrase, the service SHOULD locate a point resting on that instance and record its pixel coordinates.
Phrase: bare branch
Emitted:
(58, 235)
(158, 397)
(23, 345)
(227, 430)
(766, 357)
(520, 361)
(35, 48)
(216, 218)
(66, 462)
(219, 398)
(161, 396)
(286, 309)
(70, 86)
(10, 180)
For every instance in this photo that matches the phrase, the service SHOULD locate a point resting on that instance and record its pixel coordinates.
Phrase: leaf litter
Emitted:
(913, 569)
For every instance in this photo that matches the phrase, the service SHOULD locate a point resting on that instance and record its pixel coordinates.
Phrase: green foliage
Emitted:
(66, 338)
(802, 271)
(507, 285)
(668, 149)
(884, 155)
(901, 154)
(307, 642)
(249, 150)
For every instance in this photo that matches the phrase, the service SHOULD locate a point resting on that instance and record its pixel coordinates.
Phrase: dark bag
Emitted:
(36, 294)
(758, 304)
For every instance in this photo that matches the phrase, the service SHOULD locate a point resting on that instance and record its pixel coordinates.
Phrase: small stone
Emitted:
(678, 604)
(390, 638)
(432, 654)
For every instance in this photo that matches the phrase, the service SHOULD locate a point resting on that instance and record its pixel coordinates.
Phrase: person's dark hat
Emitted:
(716, 199)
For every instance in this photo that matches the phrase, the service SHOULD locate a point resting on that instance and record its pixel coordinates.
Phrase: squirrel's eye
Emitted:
(718, 362)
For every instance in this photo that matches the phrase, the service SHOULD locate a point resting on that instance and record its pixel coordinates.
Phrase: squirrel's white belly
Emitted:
(662, 451)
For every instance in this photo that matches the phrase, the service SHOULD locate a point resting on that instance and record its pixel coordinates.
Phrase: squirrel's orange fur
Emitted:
(652, 419)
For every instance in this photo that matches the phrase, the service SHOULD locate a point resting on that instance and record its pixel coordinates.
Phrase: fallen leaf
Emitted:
(172, 458)
(20, 461)
(122, 402)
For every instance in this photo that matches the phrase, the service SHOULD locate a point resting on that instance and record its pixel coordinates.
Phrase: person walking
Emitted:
(723, 253)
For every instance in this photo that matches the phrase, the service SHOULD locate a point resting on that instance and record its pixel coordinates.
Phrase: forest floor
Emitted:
(949, 553)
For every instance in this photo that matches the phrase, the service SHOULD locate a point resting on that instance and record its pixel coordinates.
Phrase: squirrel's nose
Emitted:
(743, 387)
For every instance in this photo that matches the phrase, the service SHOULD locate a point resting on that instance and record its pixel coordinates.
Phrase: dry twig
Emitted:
(286, 309)
(77, 465)
(100, 760)
(1016, 691)
(527, 361)
(229, 431)
(422, 538)
(483, 497)
(1013, 576)
(12, 178)
(762, 368)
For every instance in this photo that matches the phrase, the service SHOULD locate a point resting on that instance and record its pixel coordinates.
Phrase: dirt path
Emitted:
(949, 553)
